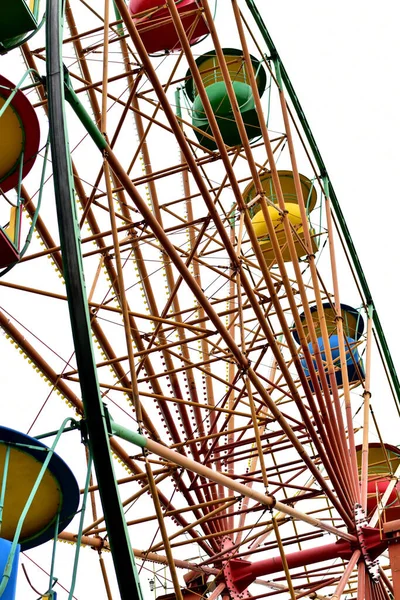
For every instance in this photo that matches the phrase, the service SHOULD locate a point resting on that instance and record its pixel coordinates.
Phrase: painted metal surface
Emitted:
(58, 493)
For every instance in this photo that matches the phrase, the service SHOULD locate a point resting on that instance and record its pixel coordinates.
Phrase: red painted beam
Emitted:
(242, 573)
(392, 530)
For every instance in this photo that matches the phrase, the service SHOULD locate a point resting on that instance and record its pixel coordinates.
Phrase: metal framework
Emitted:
(242, 461)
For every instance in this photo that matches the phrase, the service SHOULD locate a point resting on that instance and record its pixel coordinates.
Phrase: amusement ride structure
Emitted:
(177, 270)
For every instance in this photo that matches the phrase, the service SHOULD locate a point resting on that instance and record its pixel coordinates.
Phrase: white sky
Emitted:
(343, 61)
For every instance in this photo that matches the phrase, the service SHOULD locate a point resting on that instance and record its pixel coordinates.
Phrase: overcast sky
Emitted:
(343, 60)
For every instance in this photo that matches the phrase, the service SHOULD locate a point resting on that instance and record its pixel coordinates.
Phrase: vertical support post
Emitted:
(96, 421)
(361, 581)
(367, 396)
(283, 559)
(53, 579)
(19, 202)
(340, 332)
(346, 575)
(4, 484)
(392, 530)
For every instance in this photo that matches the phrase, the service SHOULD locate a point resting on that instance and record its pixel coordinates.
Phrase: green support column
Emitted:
(96, 421)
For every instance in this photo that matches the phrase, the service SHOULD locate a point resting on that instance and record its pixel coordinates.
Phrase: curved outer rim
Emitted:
(159, 14)
(30, 125)
(69, 490)
(390, 447)
(345, 308)
(284, 173)
(261, 76)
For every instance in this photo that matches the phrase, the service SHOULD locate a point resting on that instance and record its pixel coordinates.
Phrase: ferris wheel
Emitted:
(194, 333)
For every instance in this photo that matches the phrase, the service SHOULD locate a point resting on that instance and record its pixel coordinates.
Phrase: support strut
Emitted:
(98, 438)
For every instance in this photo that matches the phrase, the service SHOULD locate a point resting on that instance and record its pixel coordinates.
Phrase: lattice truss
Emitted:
(209, 291)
